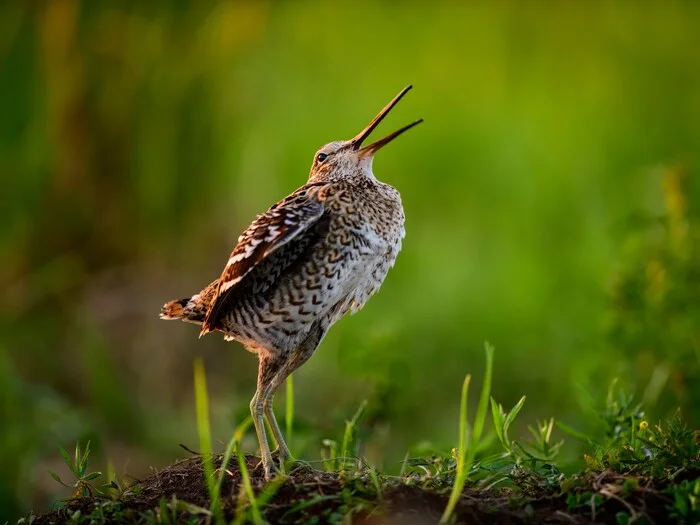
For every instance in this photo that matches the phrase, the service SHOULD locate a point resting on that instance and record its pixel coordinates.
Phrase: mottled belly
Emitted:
(334, 279)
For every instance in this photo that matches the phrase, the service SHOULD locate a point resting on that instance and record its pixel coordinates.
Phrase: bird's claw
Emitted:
(267, 468)
(278, 464)
(270, 470)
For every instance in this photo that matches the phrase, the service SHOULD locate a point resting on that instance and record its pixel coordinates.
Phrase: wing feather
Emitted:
(269, 231)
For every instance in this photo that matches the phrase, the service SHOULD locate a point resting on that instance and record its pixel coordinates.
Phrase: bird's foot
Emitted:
(288, 463)
(266, 468)
(270, 470)
(283, 457)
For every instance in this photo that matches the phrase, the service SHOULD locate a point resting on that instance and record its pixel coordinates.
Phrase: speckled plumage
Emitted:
(311, 258)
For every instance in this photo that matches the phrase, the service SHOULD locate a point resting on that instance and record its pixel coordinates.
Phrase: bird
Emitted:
(318, 254)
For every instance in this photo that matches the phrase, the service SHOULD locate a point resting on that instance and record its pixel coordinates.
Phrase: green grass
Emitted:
(633, 472)
(347, 448)
(248, 490)
(204, 431)
(469, 440)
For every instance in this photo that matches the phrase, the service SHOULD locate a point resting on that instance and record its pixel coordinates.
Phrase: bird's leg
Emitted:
(257, 410)
(272, 371)
(291, 363)
(269, 394)
(268, 369)
(282, 448)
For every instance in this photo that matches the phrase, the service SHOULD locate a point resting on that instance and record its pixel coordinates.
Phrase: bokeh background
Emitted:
(551, 197)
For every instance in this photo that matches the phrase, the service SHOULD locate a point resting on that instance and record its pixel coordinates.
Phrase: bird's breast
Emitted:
(323, 279)
(373, 240)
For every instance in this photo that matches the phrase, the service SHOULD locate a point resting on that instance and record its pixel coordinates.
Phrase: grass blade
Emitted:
(484, 398)
(349, 434)
(468, 443)
(76, 465)
(514, 412)
(498, 422)
(242, 428)
(204, 430)
(67, 459)
(248, 487)
(463, 423)
(461, 477)
(57, 478)
(224, 464)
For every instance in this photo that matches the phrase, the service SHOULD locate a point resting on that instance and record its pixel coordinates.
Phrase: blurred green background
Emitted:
(550, 195)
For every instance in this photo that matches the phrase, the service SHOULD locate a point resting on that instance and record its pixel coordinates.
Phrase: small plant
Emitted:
(502, 422)
(344, 459)
(349, 444)
(329, 454)
(469, 440)
(686, 501)
(83, 479)
(621, 416)
(632, 446)
(667, 450)
(542, 449)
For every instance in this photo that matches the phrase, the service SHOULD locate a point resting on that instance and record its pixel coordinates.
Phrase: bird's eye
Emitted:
(321, 157)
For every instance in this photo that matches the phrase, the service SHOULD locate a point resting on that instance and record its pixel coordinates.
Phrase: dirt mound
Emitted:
(307, 495)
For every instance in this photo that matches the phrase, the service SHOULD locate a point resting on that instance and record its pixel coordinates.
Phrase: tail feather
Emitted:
(174, 309)
(190, 309)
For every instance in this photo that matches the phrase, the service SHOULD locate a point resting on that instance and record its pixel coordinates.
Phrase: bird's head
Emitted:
(347, 159)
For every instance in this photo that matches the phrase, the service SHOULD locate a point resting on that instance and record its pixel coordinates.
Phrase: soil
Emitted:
(311, 496)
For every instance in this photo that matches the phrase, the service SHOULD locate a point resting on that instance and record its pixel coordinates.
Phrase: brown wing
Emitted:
(268, 232)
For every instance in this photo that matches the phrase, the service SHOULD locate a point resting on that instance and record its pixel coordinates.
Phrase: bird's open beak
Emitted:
(375, 146)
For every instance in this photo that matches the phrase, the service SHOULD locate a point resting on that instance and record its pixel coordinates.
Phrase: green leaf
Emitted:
(484, 398)
(76, 465)
(681, 505)
(201, 397)
(84, 459)
(55, 476)
(461, 452)
(215, 506)
(514, 412)
(164, 515)
(463, 441)
(499, 423)
(498, 420)
(497, 413)
(248, 488)
(350, 433)
(67, 459)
